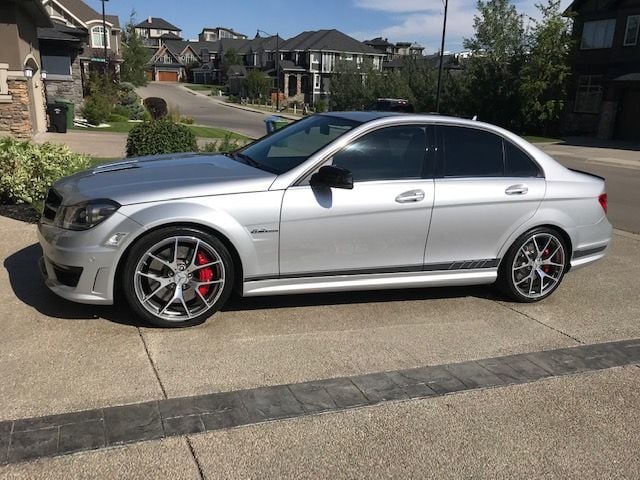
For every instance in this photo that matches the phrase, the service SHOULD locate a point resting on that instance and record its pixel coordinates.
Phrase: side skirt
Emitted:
(377, 281)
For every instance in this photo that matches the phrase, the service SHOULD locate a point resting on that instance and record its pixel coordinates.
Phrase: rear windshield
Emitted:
(287, 148)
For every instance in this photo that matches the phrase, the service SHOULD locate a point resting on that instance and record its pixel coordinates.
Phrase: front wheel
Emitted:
(534, 266)
(177, 277)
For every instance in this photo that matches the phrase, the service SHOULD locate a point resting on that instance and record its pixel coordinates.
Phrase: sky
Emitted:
(398, 20)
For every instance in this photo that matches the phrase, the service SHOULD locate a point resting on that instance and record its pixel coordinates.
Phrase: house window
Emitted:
(97, 37)
(589, 94)
(631, 32)
(55, 60)
(315, 61)
(598, 34)
(316, 82)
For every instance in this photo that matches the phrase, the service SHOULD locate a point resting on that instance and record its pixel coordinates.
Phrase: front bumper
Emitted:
(79, 265)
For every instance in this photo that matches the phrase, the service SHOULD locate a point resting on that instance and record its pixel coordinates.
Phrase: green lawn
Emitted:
(535, 139)
(205, 132)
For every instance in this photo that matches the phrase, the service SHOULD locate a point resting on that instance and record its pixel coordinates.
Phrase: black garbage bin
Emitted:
(57, 117)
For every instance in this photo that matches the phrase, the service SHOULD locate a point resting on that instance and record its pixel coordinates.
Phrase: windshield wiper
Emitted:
(249, 161)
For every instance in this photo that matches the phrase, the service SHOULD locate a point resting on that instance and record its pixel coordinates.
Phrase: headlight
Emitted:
(85, 215)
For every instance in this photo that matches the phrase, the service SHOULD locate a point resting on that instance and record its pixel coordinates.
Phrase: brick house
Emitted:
(22, 104)
(604, 99)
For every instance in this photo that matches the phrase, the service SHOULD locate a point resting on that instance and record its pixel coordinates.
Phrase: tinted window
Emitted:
(387, 154)
(471, 153)
(518, 163)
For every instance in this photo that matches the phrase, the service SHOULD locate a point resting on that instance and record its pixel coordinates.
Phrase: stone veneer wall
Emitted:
(67, 89)
(15, 116)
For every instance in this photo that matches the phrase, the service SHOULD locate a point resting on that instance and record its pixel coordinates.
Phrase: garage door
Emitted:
(168, 76)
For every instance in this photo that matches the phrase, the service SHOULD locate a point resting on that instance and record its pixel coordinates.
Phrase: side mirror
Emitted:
(331, 176)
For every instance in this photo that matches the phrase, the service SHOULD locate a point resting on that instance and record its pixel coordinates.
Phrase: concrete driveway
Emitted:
(206, 110)
(61, 358)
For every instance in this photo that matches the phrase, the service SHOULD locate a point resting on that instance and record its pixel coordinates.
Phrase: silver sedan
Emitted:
(334, 202)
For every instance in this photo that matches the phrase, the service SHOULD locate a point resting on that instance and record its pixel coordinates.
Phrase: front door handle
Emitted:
(517, 190)
(411, 196)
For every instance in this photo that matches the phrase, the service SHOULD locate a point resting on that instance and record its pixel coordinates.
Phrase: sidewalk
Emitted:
(607, 153)
(98, 144)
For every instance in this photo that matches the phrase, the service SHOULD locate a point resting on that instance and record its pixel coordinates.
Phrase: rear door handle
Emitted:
(411, 196)
(517, 190)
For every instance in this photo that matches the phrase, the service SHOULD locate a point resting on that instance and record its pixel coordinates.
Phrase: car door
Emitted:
(379, 226)
(485, 188)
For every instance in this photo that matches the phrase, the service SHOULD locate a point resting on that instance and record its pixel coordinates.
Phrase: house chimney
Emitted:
(150, 20)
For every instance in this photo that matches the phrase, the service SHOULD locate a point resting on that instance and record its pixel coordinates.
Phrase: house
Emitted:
(604, 99)
(218, 33)
(395, 53)
(309, 59)
(154, 31)
(80, 16)
(22, 101)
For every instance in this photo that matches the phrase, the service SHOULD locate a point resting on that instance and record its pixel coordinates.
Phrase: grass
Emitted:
(204, 132)
(95, 161)
(536, 139)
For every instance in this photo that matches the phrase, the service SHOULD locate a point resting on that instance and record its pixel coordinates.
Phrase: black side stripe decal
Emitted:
(432, 267)
(587, 252)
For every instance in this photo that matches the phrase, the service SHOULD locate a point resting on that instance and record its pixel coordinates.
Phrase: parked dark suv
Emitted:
(392, 105)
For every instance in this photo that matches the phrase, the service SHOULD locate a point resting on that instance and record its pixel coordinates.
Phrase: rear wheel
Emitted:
(177, 277)
(534, 266)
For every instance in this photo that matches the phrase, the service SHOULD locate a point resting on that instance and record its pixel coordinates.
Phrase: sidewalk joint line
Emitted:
(195, 458)
(577, 340)
(153, 365)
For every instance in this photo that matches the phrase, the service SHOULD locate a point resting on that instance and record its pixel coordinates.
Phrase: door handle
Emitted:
(517, 190)
(411, 196)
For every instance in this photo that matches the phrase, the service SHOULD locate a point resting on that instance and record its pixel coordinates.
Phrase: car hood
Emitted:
(163, 177)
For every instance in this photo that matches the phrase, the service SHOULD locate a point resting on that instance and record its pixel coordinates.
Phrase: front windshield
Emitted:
(289, 147)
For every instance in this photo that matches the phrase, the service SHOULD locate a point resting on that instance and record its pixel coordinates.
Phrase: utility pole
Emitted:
(444, 32)
(277, 65)
(104, 38)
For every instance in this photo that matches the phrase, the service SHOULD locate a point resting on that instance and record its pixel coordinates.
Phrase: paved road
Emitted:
(623, 181)
(206, 111)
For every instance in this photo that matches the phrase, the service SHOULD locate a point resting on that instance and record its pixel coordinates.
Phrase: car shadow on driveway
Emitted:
(28, 286)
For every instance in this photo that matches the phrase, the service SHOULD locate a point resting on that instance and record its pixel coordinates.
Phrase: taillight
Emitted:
(603, 201)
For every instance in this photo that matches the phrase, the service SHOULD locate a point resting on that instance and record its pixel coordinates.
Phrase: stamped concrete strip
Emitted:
(167, 458)
(582, 426)
(57, 435)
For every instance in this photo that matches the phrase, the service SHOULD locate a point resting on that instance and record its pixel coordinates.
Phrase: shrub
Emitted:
(320, 106)
(225, 145)
(27, 169)
(157, 107)
(187, 120)
(160, 136)
(97, 109)
(114, 117)
(121, 111)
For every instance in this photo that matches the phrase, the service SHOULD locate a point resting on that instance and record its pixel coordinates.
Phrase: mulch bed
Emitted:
(23, 213)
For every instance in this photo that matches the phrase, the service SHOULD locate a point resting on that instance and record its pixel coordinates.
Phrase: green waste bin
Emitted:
(70, 110)
(280, 123)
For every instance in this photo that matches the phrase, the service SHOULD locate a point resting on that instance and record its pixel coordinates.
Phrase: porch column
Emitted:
(286, 85)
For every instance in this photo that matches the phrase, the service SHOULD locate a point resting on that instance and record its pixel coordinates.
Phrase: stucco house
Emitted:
(22, 103)
(155, 30)
(218, 33)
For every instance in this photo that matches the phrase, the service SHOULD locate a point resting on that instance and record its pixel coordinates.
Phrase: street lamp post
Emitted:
(277, 64)
(104, 38)
(444, 31)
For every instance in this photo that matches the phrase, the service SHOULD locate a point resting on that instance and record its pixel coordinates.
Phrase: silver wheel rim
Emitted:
(179, 278)
(538, 265)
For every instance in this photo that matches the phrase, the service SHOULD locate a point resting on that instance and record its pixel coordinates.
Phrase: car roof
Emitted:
(363, 117)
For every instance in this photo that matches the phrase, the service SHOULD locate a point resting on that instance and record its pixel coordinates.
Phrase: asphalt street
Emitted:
(207, 111)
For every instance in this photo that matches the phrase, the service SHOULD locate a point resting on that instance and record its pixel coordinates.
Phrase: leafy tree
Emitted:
(257, 84)
(134, 54)
(545, 72)
(348, 91)
(491, 86)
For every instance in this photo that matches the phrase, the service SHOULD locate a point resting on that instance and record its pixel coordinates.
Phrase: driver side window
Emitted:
(392, 153)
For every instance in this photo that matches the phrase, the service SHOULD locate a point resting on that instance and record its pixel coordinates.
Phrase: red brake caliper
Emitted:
(546, 268)
(204, 274)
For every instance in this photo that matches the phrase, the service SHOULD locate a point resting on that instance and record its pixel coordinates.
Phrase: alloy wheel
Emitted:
(538, 265)
(179, 278)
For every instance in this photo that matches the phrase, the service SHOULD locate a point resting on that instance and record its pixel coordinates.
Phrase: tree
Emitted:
(491, 87)
(256, 84)
(134, 54)
(348, 90)
(546, 70)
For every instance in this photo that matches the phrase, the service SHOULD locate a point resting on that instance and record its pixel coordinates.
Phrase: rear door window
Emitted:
(518, 163)
(469, 152)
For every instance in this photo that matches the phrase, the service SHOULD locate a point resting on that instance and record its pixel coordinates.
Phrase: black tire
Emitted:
(138, 256)
(508, 279)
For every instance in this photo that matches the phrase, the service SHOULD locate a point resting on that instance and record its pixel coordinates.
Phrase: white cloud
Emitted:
(421, 20)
